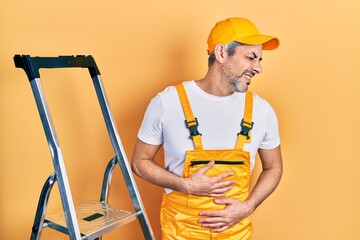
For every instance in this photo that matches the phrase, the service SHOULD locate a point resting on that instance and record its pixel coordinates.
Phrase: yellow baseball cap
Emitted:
(240, 30)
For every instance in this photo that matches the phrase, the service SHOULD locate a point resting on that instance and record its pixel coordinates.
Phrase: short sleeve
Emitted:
(271, 138)
(151, 130)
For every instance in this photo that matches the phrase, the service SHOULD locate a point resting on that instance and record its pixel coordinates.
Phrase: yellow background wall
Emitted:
(312, 81)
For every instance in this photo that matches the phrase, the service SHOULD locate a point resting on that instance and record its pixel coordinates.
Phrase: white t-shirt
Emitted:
(219, 121)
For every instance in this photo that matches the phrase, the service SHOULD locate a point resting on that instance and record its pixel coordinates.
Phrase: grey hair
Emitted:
(229, 48)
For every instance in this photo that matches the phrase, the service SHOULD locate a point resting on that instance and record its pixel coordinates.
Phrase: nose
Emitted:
(257, 67)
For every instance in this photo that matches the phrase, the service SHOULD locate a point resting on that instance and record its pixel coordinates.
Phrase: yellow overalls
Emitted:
(180, 211)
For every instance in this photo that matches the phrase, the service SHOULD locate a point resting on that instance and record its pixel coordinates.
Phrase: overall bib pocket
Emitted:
(226, 160)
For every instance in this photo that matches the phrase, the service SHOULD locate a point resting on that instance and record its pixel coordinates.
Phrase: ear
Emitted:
(220, 52)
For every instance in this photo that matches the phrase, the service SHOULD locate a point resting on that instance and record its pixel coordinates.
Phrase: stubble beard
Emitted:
(236, 83)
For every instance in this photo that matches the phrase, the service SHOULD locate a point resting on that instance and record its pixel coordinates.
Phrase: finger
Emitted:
(221, 229)
(225, 184)
(224, 201)
(217, 195)
(207, 167)
(213, 225)
(211, 220)
(222, 176)
(211, 214)
(222, 190)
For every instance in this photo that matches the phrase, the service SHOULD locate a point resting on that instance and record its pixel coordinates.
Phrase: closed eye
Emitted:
(255, 57)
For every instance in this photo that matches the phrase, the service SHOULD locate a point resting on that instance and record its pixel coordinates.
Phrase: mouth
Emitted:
(248, 76)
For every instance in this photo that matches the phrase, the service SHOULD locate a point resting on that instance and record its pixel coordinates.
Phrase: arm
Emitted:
(144, 166)
(269, 178)
(235, 210)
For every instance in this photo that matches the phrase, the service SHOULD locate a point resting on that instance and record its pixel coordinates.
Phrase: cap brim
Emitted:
(268, 42)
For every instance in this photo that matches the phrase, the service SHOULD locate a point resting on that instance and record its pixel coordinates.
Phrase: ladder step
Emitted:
(95, 219)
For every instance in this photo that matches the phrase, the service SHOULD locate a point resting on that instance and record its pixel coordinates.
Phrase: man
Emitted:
(209, 157)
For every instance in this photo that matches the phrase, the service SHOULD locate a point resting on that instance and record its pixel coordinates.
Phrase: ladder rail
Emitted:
(58, 160)
(121, 157)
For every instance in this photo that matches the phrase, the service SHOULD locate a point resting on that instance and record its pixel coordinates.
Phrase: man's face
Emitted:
(239, 68)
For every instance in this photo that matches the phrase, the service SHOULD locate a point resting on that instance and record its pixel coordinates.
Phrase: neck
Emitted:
(214, 84)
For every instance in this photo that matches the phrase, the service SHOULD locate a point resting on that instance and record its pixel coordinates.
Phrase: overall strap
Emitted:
(191, 122)
(244, 135)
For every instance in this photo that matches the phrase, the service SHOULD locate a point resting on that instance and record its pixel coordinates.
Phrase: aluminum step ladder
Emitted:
(92, 219)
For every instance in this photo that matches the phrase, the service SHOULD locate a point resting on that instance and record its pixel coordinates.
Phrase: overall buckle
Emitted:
(192, 126)
(245, 128)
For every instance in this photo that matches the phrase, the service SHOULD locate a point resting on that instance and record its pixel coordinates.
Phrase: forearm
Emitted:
(265, 185)
(269, 178)
(154, 173)
(198, 183)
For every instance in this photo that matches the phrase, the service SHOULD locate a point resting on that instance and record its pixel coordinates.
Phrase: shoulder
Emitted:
(163, 96)
(261, 103)
(170, 92)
